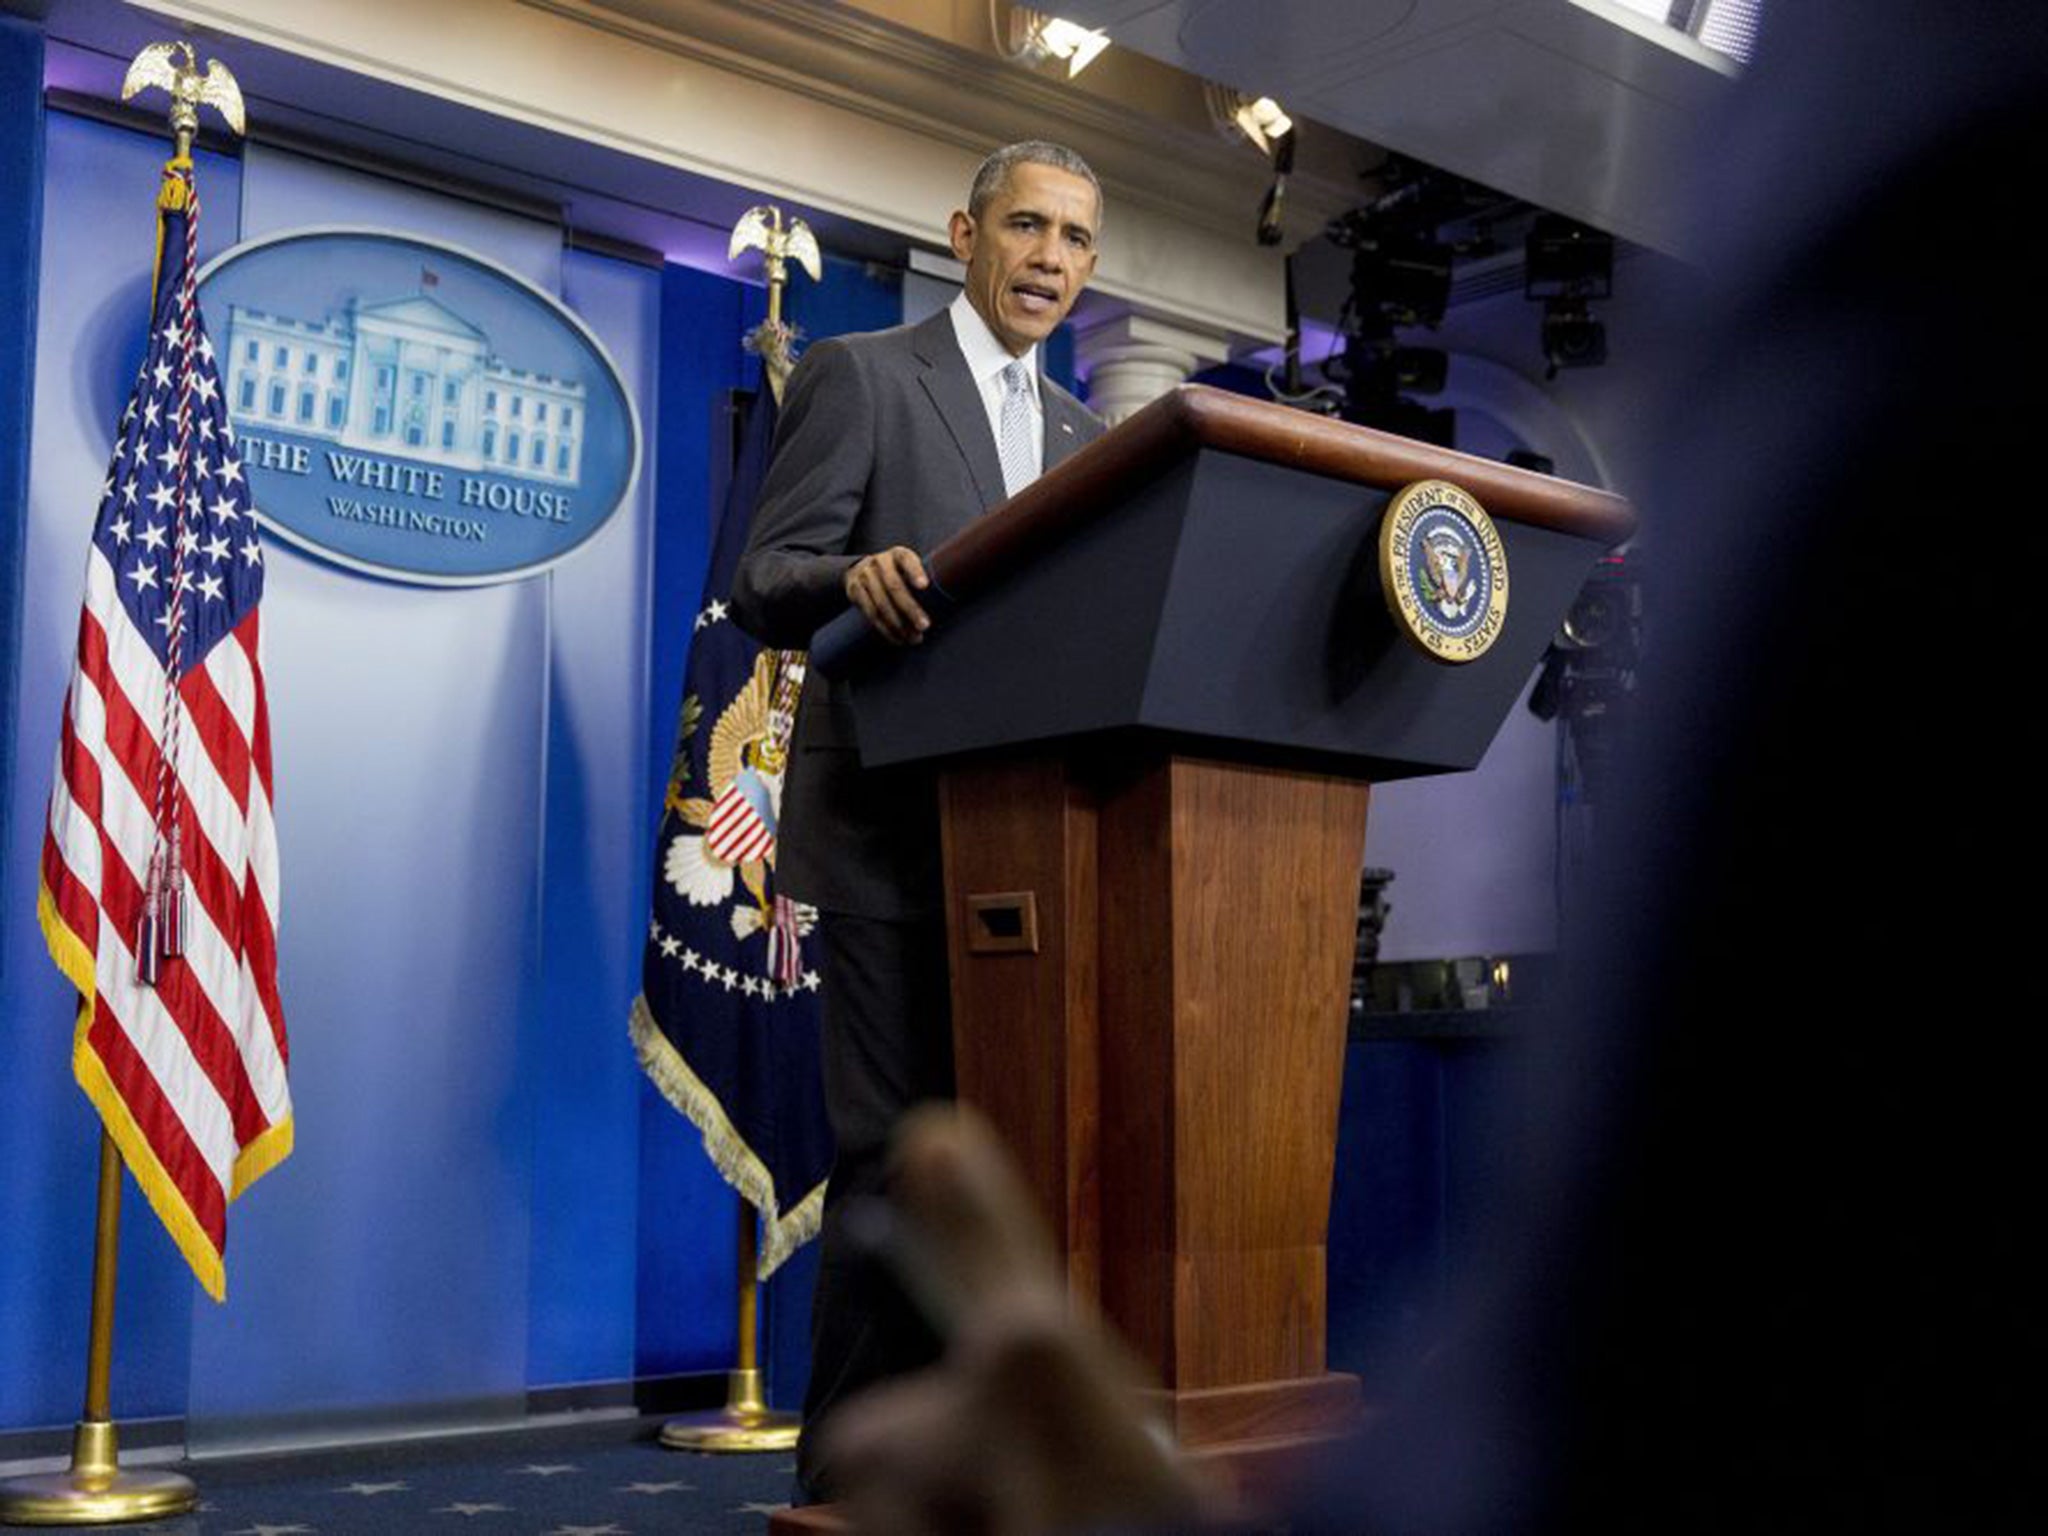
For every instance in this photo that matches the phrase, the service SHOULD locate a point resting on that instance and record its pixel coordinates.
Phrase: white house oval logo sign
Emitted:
(414, 410)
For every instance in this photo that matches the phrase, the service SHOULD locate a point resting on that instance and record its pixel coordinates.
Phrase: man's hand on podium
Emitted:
(1032, 1420)
(883, 587)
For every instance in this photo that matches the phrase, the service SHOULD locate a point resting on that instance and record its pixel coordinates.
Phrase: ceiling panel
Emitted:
(1577, 105)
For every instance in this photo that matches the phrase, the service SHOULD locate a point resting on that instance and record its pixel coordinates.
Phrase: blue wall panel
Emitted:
(384, 1270)
(21, 194)
(687, 1215)
(594, 895)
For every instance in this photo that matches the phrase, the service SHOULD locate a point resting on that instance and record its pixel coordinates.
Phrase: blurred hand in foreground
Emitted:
(1032, 1421)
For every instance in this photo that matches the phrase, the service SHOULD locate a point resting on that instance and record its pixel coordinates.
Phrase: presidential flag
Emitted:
(726, 1023)
(159, 890)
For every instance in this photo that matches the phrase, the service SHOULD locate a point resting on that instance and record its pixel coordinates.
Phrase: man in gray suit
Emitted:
(890, 442)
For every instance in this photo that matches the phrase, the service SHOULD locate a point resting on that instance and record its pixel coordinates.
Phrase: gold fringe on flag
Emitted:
(782, 1232)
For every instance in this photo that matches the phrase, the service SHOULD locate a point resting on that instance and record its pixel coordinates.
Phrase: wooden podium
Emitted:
(1159, 682)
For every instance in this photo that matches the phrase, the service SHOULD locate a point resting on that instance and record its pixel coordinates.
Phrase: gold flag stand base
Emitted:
(97, 1490)
(745, 1423)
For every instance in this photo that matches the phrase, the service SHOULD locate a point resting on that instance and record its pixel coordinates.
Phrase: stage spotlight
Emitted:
(1421, 369)
(1275, 203)
(1259, 121)
(1376, 369)
(1588, 678)
(1572, 338)
(1402, 417)
(1603, 615)
(1271, 209)
(1262, 122)
(1032, 37)
(1563, 259)
(1409, 281)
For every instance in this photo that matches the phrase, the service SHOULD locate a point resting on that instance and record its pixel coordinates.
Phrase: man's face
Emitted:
(1030, 253)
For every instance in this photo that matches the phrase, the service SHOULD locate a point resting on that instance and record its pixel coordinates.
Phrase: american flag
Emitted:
(159, 871)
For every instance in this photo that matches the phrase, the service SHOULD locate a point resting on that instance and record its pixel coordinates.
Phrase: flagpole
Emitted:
(96, 1490)
(746, 1422)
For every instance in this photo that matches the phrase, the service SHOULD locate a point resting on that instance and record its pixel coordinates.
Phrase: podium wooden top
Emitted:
(1195, 416)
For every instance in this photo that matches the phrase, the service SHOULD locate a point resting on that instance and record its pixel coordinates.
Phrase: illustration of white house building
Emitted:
(408, 377)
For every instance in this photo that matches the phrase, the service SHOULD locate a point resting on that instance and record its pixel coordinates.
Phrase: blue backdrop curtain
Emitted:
(21, 234)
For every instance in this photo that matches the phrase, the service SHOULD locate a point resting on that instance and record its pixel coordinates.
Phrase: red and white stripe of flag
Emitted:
(736, 833)
(188, 1074)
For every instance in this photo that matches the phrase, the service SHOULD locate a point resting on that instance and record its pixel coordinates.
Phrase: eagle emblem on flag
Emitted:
(729, 832)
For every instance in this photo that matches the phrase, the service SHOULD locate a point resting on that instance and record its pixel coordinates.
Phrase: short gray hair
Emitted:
(994, 176)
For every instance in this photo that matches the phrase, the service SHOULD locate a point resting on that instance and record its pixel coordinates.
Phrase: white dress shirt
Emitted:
(986, 360)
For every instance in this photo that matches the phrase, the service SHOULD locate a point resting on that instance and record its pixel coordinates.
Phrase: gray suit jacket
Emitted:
(883, 440)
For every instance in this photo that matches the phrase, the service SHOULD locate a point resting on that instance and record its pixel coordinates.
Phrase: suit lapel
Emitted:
(1065, 432)
(952, 390)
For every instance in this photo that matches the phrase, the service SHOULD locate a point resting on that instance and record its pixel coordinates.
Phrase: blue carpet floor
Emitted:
(614, 1480)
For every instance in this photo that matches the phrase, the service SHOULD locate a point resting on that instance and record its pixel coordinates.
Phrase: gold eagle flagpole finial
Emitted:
(762, 229)
(174, 68)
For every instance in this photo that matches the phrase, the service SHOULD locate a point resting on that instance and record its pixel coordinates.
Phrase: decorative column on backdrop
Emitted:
(1132, 360)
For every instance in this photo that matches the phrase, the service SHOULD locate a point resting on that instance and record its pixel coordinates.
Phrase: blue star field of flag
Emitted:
(138, 529)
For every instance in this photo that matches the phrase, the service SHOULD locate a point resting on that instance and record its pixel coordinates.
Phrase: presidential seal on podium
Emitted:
(1443, 570)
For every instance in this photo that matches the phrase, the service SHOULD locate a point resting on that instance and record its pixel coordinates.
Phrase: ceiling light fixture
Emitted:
(1263, 122)
(1259, 120)
(1032, 37)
